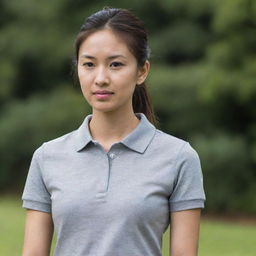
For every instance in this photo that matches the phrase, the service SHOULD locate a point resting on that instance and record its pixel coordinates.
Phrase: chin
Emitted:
(107, 107)
(104, 109)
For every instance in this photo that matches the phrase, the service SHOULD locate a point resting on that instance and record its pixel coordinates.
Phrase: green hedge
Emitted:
(27, 124)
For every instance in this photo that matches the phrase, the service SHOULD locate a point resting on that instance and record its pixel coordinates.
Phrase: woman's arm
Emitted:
(184, 232)
(38, 234)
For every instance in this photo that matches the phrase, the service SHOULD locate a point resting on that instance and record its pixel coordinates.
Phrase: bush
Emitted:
(227, 173)
(27, 124)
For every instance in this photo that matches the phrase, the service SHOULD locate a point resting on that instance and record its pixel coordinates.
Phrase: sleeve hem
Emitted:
(35, 205)
(186, 205)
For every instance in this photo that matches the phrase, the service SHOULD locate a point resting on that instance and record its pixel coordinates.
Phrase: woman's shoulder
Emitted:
(59, 144)
(167, 138)
(170, 142)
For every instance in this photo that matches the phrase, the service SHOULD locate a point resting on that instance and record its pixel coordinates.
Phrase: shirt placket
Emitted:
(105, 172)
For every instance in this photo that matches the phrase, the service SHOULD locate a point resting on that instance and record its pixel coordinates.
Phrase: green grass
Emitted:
(216, 238)
(227, 239)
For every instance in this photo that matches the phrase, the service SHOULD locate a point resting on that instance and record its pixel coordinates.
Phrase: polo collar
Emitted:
(137, 140)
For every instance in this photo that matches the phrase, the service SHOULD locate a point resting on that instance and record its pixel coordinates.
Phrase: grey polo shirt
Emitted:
(114, 203)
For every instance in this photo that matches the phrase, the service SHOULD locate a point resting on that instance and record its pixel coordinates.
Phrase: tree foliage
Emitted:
(202, 83)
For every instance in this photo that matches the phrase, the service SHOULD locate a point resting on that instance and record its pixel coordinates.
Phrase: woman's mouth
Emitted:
(103, 95)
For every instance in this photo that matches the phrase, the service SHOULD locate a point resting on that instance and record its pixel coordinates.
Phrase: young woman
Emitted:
(112, 187)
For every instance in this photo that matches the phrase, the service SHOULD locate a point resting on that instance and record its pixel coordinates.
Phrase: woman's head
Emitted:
(130, 30)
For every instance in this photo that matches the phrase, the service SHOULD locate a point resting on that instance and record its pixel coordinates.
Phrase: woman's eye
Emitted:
(88, 64)
(116, 64)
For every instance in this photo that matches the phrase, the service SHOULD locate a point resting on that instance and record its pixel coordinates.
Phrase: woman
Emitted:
(113, 186)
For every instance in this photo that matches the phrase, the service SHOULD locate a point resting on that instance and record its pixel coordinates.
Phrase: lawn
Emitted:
(216, 238)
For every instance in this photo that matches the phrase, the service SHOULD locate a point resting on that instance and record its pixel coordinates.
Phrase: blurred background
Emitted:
(202, 84)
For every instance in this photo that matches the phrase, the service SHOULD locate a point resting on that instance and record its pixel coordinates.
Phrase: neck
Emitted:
(110, 127)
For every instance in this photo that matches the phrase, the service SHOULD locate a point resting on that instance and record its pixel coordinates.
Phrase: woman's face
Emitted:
(108, 72)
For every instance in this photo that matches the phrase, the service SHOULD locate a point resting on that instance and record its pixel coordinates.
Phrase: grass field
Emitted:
(216, 238)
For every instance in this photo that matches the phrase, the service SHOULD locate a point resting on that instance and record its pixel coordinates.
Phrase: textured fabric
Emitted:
(118, 202)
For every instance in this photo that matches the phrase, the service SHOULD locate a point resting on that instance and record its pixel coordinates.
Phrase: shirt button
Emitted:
(111, 155)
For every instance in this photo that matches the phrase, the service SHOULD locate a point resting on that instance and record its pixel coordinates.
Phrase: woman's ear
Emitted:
(143, 72)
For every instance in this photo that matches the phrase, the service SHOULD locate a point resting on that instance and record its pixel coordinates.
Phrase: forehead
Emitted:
(105, 42)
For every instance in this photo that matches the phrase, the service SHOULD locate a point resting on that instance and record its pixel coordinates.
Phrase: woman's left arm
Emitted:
(184, 232)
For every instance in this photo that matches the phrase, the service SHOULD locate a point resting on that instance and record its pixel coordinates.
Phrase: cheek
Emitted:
(80, 75)
(84, 84)
(128, 76)
(84, 79)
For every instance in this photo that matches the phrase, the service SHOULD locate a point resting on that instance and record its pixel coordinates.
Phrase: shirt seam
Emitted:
(176, 159)
(36, 201)
(187, 200)
(41, 165)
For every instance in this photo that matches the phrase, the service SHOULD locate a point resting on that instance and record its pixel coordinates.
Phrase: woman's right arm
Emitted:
(38, 233)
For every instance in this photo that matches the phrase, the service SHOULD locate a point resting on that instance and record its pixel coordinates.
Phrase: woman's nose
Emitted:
(101, 76)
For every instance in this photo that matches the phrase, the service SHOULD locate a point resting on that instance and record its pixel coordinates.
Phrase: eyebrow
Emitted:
(110, 57)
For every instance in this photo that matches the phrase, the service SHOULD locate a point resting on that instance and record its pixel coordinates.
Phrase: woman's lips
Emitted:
(104, 95)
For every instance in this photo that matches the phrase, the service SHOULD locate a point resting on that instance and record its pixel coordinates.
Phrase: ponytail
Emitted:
(141, 103)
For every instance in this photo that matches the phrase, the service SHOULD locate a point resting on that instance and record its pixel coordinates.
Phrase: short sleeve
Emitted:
(188, 191)
(35, 195)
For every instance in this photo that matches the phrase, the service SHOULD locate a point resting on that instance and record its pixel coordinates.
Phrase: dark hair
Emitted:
(127, 25)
